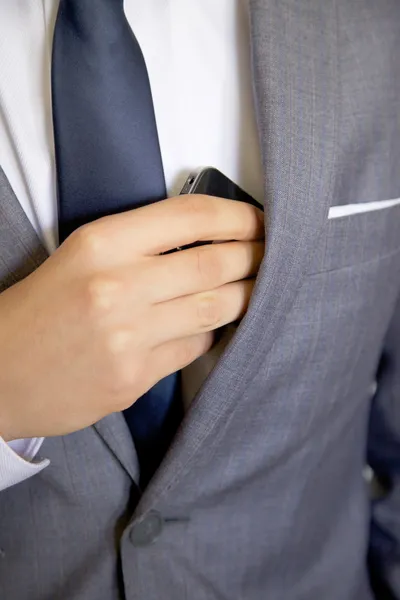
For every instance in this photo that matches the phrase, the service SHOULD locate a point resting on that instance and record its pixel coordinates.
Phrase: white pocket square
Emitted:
(352, 209)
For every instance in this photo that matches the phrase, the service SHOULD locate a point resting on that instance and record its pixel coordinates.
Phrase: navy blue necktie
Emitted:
(108, 160)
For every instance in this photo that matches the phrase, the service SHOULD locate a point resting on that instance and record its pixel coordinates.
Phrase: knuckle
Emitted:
(88, 241)
(209, 266)
(116, 344)
(191, 349)
(100, 295)
(195, 204)
(124, 380)
(186, 353)
(213, 208)
(201, 209)
(209, 311)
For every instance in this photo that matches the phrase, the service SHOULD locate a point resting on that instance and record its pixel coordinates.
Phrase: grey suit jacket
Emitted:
(261, 495)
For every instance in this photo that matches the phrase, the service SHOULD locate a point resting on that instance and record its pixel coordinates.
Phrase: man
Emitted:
(260, 493)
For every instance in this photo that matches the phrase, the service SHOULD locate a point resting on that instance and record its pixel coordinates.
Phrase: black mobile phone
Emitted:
(212, 182)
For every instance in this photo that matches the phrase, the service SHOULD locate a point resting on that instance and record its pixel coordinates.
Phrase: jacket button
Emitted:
(145, 531)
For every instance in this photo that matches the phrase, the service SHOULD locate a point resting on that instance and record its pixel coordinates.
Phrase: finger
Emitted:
(200, 269)
(198, 313)
(179, 221)
(178, 354)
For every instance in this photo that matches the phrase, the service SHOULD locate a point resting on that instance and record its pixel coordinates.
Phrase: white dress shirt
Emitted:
(198, 57)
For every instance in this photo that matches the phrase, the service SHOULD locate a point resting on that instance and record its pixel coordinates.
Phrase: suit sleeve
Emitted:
(384, 459)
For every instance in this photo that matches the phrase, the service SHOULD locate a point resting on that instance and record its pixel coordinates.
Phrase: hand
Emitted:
(107, 315)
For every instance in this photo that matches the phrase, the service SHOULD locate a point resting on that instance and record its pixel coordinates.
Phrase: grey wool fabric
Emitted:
(261, 495)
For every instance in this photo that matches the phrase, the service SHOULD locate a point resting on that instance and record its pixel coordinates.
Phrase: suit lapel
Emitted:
(20, 249)
(296, 82)
(115, 433)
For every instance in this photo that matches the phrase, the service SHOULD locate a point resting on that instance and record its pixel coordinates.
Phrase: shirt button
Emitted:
(145, 531)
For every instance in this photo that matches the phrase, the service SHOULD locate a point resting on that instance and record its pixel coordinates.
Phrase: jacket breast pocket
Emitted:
(333, 337)
(347, 298)
(358, 237)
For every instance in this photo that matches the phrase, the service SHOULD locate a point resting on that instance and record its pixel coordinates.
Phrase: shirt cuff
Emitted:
(14, 468)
